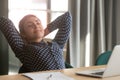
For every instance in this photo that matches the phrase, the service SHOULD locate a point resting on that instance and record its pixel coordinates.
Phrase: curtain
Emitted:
(75, 35)
(93, 30)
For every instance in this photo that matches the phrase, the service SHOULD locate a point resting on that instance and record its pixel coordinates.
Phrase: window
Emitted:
(46, 10)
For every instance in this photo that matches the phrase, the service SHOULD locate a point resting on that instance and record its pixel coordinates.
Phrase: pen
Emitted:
(27, 77)
(50, 76)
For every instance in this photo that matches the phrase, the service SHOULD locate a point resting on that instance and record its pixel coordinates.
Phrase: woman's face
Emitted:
(33, 29)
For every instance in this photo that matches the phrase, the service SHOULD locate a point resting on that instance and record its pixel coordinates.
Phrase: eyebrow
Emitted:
(30, 22)
(38, 20)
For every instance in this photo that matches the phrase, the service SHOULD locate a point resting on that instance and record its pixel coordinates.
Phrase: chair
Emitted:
(103, 58)
(67, 65)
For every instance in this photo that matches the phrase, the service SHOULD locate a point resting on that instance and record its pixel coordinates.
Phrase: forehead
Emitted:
(30, 18)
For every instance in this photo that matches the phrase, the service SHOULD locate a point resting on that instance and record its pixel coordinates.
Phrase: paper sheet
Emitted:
(48, 76)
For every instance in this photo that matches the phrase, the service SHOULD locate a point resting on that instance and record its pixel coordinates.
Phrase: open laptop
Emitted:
(112, 69)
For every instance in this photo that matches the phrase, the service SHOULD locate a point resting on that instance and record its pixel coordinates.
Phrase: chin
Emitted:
(39, 37)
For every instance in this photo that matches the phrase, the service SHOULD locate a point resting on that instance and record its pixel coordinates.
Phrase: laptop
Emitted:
(112, 69)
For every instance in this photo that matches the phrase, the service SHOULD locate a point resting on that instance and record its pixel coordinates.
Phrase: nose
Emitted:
(36, 25)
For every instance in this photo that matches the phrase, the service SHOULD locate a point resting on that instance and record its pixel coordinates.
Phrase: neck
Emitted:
(37, 40)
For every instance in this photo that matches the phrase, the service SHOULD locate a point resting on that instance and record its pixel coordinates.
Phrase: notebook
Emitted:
(47, 76)
(112, 69)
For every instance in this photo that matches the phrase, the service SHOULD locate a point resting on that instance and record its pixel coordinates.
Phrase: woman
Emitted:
(29, 47)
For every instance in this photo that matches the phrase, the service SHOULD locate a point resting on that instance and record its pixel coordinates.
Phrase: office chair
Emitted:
(103, 58)
(67, 65)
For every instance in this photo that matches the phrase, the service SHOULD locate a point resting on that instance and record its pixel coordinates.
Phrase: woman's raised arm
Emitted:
(12, 35)
(63, 23)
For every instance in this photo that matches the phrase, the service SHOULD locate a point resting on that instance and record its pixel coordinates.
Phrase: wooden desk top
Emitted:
(68, 72)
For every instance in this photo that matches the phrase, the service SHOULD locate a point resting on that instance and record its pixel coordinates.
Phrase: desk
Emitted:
(69, 72)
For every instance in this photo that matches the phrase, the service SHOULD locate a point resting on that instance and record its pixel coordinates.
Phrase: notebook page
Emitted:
(48, 76)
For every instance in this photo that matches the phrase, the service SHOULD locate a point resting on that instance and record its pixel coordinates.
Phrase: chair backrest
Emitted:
(4, 56)
(103, 58)
(67, 65)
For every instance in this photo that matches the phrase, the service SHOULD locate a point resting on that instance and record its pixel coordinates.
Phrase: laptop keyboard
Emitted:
(98, 73)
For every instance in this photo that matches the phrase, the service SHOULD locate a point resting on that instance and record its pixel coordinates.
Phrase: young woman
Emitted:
(29, 46)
